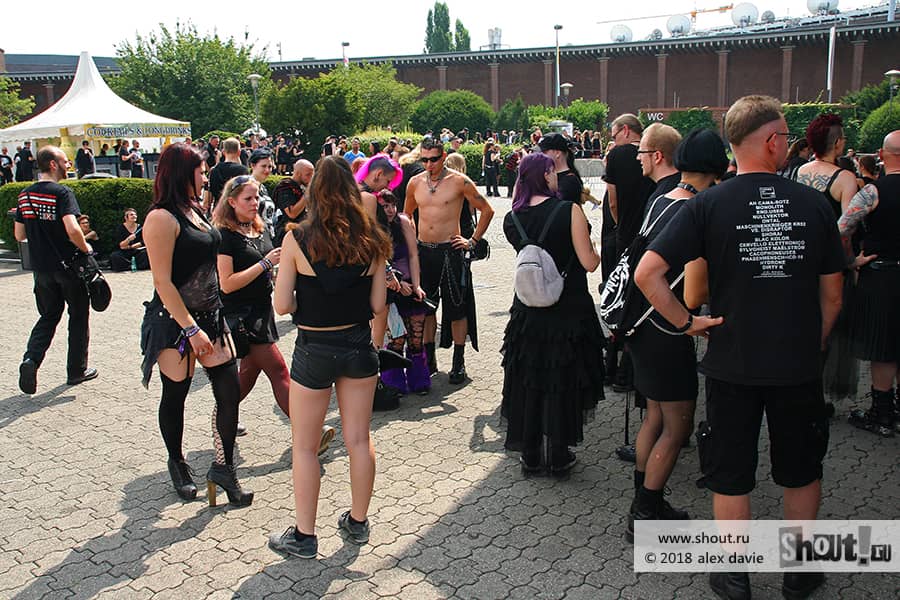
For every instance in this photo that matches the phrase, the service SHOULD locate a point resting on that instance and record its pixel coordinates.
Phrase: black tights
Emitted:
(171, 414)
(666, 426)
(415, 330)
(226, 391)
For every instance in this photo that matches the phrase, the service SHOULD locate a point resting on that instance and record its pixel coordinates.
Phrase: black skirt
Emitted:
(665, 366)
(251, 325)
(553, 373)
(875, 323)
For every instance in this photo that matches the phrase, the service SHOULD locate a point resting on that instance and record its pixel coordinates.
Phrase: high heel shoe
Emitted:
(180, 473)
(225, 477)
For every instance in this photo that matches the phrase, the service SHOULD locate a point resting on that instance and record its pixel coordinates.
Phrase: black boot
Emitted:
(879, 418)
(225, 477)
(184, 485)
(646, 505)
(432, 359)
(796, 586)
(638, 479)
(730, 586)
(458, 373)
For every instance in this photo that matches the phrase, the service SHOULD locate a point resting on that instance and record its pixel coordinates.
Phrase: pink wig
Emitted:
(364, 170)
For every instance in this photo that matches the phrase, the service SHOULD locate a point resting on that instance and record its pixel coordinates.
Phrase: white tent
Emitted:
(91, 110)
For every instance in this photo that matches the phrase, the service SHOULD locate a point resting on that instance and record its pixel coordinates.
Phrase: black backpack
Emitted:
(622, 305)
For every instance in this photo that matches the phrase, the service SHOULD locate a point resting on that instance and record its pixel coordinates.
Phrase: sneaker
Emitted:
(327, 436)
(28, 376)
(358, 532)
(287, 543)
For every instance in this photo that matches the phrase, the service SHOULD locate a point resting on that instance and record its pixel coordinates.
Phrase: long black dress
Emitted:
(552, 357)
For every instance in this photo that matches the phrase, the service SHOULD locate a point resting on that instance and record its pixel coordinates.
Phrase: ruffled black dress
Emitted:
(553, 356)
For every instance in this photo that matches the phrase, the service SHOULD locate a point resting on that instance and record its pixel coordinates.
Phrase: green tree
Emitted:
(315, 107)
(868, 98)
(878, 124)
(512, 115)
(437, 30)
(587, 114)
(462, 41)
(198, 78)
(540, 115)
(384, 99)
(12, 106)
(454, 110)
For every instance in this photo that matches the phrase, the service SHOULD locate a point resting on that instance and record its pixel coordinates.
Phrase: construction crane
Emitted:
(693, 14)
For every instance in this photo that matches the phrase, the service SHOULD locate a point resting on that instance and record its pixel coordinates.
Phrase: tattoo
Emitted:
(814, 180)
(860, 206)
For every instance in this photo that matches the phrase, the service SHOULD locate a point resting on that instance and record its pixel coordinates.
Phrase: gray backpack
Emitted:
(538, 283)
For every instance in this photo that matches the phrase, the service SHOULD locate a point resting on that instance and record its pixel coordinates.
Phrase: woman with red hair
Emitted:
(183, 322)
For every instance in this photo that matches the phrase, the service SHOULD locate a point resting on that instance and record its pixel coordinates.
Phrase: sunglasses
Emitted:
(431, 159)
(242, 180)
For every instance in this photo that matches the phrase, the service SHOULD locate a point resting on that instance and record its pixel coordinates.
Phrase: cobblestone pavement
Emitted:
(87, 509)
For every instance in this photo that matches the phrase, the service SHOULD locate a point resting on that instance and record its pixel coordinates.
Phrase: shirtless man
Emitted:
(438, 193)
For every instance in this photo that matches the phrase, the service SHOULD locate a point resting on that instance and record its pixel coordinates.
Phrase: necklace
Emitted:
(688, 187)
(434, 183)
(245, 225)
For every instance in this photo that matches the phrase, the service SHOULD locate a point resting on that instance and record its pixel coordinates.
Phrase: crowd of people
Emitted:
(781, 265)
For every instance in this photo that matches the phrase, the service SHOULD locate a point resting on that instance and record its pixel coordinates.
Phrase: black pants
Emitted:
(490, 178)
(53, 290)
(511, 177)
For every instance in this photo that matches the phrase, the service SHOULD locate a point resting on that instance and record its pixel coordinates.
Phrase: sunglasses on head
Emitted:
(241, 180)
(431, 159)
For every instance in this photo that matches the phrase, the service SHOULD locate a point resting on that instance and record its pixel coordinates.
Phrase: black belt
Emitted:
(437, 245)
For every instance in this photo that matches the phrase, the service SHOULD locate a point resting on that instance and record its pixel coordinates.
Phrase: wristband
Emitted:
(686, 326)
(190, 331)
(266, 265)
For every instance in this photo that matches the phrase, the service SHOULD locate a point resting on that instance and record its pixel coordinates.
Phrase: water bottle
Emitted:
(133, 264)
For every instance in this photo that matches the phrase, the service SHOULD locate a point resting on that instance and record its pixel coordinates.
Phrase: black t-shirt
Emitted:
(84, 161)
(245, 252)
(6, 162)
(663, 187)
(122, 233)
(287, 193)
(632, 189)
(220, 175)
(125, 159)
(41, 208)
(569, 186)
(767, 240)
(212, 156)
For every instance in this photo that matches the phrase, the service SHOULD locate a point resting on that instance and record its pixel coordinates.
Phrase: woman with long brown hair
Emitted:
(332, 280)
(183, 323)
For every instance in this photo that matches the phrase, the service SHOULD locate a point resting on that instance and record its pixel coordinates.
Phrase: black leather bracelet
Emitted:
(686, 326)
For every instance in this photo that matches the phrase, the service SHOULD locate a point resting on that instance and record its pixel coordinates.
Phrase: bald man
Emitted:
(290, 197)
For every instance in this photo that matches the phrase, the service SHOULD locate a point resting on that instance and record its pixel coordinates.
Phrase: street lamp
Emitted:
(566, 90)
(893, 74)
(556, 100)
(344, 51)
(254, 83)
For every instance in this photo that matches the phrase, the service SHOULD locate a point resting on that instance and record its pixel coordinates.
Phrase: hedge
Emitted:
(878, 124)
(686, 120)
(105, 200)
(472, 153)
(798, 117)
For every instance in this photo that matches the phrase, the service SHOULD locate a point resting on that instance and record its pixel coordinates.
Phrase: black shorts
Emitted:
(727, 440)
(445, 275)
(323, 357)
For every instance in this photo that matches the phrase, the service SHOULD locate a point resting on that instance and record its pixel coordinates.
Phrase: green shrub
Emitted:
(798, 117)
(104, 200)
(473, 153)
(454, 110)
(868, 98)
(512, 115)
(878, 124)
(587, 114)
(383, 136)
(221, 134)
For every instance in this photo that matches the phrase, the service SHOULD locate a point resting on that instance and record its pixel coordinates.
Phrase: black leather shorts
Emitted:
(322, 357)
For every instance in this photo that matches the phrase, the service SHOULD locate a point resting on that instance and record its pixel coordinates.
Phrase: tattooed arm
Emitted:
(863, 203)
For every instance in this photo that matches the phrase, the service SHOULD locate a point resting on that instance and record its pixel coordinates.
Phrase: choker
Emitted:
(688, 187)
(247, 224)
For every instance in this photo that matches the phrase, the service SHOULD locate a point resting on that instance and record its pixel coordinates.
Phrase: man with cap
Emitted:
(47, 216)
(557, 147)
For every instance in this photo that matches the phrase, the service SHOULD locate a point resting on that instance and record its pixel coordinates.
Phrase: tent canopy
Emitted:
(91, 109)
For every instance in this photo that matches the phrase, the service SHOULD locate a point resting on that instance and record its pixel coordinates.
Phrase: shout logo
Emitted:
(797, 551)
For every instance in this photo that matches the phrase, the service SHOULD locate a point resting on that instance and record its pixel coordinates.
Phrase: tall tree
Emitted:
(12, 106)
(198, 78)
(463, 42)
(384, 99)
(437, 30)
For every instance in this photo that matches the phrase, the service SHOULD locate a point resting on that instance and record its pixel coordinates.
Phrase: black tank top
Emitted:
(194, 263)
(333, 296)
(835, 204)
(883, 223)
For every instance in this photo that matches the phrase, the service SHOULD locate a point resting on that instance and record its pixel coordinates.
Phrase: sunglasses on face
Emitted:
(431, 159)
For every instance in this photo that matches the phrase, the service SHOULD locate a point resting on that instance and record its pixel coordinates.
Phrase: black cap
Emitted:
(554, 141)
(702, 151)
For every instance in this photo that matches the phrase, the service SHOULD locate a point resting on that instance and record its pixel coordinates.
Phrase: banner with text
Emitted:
(766, 546)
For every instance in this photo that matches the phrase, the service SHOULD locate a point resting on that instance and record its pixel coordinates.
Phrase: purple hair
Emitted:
(531, 182)
(384, 162)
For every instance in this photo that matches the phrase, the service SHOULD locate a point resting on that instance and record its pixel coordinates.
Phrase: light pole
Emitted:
(556, 98)
(566, 90)
(254, 83)
(344, 51)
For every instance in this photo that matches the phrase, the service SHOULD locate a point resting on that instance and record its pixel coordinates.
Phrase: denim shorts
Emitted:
(322, 357)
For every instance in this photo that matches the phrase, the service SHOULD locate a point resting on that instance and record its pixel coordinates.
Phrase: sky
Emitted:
(316, 29)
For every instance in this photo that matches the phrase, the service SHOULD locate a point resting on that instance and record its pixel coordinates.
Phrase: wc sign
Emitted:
(656, 116)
